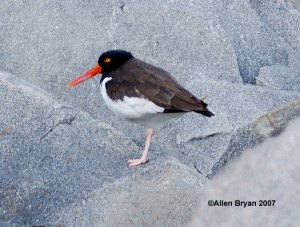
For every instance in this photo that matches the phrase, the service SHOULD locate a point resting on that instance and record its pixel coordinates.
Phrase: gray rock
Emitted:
(295, 3)
(216, 43)
(56, 160)
(275, 76)
(50, 44)
(160, 194)
(284, 21)
(270, 124)
(254, 43)
(266, 172)
(228, 132)
(63, 163)
(59, 146)
(282, 18)
(51, 154)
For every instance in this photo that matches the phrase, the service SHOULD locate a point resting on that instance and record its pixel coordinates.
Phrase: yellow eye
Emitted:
(107, 60)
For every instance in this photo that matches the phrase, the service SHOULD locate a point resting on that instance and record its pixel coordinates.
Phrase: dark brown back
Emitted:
(136, 78)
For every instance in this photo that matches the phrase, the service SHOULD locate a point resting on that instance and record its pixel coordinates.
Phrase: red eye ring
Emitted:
(107, 60)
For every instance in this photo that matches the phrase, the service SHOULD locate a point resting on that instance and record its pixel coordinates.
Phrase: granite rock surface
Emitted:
(265, 178)
(63, 153)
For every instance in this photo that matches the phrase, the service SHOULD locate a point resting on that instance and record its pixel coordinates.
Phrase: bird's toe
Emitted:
(136, 162)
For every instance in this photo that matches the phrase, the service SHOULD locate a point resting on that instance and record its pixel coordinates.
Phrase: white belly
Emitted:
(130, 108)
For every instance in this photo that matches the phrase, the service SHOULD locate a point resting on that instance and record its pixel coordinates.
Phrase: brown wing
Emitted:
(136, 78)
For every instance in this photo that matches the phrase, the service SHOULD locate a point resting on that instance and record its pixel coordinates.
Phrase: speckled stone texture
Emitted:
(63, 153)
(267, 172)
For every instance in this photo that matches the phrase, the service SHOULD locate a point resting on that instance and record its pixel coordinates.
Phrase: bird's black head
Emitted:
(108, 61)
(113, 59)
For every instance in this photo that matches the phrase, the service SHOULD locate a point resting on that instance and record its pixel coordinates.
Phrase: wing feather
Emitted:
(154, 83)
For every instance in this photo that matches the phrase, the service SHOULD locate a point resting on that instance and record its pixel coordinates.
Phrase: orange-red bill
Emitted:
(89, 74)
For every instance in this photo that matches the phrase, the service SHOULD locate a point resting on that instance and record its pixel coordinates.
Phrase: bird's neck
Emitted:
(102, 78)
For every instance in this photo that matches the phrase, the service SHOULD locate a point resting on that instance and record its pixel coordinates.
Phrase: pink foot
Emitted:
(144, 158)
(136, 162)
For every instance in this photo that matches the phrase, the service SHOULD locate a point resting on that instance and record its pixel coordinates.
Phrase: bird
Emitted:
(141, 93)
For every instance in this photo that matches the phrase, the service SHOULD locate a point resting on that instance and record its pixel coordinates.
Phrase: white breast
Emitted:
(130, 108)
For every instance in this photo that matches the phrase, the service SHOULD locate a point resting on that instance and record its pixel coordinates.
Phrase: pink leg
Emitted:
(143, 159)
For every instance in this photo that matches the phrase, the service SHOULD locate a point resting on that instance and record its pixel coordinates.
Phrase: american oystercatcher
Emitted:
(141, 93)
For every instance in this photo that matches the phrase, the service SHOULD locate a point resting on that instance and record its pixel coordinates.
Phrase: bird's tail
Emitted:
(204, 112)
